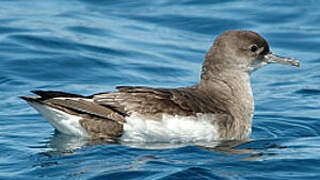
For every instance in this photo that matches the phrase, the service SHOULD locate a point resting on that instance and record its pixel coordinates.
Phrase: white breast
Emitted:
(170, 129)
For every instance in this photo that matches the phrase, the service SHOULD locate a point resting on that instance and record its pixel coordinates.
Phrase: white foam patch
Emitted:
(170, 129)
(63, 122)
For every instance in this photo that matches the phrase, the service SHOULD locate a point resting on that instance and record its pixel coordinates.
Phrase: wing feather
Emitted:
(154, 101)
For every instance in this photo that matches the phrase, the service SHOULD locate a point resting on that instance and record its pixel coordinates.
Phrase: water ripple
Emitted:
(86, 46)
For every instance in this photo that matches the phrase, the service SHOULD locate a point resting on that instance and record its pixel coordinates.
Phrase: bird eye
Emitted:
(253, 48)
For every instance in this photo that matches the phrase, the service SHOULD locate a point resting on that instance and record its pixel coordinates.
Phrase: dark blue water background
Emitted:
(91, 46)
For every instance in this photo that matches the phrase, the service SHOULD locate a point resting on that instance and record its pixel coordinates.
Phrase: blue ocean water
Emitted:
(85, 47)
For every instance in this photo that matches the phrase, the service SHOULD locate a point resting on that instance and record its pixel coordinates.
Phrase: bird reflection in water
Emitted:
(60, 144)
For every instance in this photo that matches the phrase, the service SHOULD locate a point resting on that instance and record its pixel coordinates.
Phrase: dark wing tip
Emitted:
(25, 98)
(45, 95)
(53, 94)
(33, 98)
(30, 99)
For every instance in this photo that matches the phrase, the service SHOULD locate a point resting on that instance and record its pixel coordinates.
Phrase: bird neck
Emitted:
(233, 90)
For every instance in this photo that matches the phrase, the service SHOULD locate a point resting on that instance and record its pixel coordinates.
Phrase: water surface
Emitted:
(91, 46)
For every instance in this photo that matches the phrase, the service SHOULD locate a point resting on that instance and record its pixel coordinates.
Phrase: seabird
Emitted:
(219, 107)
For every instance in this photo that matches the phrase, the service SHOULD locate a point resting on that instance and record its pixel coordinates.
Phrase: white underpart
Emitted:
(170, 129)
(178, 129)
(63, 122)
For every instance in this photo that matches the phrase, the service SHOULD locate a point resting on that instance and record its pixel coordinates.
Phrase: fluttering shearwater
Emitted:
(219, 107)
